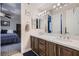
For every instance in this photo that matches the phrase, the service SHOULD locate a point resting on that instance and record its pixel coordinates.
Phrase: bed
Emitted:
(10, 44)
(9, 38)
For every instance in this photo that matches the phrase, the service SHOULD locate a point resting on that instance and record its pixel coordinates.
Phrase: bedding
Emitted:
(9, 38)
(10, 31)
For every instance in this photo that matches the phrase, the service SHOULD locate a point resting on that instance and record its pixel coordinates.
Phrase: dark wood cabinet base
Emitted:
(45, 48)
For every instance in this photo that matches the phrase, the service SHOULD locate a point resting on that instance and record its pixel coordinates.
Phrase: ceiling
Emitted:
(49, 6)
(39, 6)
(42, 7)
(11, 8)
(15, 8)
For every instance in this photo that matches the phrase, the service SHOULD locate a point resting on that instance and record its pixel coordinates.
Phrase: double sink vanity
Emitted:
(54, 45)
(64, 25)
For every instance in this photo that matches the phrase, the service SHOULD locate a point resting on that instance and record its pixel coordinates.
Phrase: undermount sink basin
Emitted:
(58, 37)
(70, 40)
(41, 33)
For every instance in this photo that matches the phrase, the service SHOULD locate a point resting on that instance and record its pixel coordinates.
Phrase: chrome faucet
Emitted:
(67, 35)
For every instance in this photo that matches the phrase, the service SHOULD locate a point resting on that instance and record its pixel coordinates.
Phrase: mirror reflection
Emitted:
(63, 19)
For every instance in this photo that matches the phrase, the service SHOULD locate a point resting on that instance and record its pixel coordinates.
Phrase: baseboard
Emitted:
(26, 50)
(29, 50)
(35, 53)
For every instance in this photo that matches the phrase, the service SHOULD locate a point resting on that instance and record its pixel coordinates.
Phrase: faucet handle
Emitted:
(68, 37)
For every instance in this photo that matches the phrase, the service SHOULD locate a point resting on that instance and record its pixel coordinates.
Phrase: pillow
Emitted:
(3, 31)
(10, 31)
(14, 31)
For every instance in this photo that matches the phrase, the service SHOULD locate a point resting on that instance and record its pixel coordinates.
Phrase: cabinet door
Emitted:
(47, 48)
(32, 43)
(36, 45)
(77, 53)
(42, 47)
(52, 49)
(64, 51)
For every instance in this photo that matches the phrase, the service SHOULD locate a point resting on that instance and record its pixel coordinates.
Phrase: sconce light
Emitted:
(2, 14)
(27, 27)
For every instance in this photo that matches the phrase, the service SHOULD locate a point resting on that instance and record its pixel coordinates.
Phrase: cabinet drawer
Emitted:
(42, 42)
(65, 51)
(41, 52)
(42, 47)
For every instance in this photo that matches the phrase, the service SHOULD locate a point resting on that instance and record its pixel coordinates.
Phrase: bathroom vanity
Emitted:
(65, 22)
(45, 45)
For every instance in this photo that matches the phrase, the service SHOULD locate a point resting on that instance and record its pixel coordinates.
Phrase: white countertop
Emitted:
(71, 43)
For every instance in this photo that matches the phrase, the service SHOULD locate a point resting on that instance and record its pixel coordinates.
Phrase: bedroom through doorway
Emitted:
(10, 31)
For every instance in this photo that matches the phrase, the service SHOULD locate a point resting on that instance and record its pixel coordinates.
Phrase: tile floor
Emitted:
(17, 54)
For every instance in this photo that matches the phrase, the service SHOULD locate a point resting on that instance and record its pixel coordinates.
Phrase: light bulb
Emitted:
(54, 6)
(60, 7)
(65, 4)
(58, 4)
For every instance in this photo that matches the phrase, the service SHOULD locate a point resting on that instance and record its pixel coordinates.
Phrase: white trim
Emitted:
(35, 53)
(26, 50)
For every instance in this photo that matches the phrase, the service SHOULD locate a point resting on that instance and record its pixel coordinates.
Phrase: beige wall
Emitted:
(28, 15)
(25, 19)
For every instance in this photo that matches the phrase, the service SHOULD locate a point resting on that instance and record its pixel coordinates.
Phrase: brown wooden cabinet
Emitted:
(46, 48)
(34, 44)
(52, 49)
(65, 51)
(77, 53)
(42, 47)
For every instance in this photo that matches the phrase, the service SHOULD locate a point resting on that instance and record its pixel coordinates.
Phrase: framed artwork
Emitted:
(5, 23)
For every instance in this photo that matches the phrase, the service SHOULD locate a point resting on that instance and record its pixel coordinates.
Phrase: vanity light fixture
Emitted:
(65, 4)
(2, 14)
(42, 13)
(54, 6)
(58, 4)
(60, 7)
